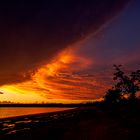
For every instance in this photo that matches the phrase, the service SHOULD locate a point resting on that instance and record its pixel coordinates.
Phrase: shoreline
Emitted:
(36, 114)
(87, 123)
(12, 126)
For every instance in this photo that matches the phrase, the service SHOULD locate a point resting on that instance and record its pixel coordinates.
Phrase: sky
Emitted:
(63, 51)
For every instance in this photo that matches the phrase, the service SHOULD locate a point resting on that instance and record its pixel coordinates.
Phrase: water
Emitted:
(19, 111)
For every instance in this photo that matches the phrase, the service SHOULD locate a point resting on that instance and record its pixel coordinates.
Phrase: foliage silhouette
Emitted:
(124, 85)
(113, 96)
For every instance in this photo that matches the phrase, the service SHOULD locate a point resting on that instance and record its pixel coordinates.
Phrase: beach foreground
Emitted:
(87, 123)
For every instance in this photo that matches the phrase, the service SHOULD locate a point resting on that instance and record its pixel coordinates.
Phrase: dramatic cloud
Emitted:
(32, 33)
(63, 79)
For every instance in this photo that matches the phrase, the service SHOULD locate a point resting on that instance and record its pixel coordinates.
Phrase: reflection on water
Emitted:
(21, 125)
(19, 111)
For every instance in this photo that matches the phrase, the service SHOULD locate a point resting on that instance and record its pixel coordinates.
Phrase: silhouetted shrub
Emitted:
(124, 85)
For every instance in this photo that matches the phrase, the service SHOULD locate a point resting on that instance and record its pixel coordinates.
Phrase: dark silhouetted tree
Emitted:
(124, 85)
(113, 96)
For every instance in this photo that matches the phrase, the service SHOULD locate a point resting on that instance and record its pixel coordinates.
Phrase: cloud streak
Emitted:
(63, 79)
(32, 33)
(39, 48)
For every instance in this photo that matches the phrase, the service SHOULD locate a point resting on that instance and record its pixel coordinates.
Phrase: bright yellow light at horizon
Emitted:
(51, 82)
(20, 98)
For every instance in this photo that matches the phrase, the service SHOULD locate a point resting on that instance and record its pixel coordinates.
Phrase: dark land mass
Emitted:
(101, 121)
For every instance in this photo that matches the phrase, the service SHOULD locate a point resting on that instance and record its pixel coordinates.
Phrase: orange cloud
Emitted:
(62, 79)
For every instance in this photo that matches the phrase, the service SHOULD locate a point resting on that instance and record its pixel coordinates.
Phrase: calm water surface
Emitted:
(19, 111)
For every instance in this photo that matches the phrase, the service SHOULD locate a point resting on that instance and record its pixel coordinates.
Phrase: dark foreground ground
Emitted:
(102, 122)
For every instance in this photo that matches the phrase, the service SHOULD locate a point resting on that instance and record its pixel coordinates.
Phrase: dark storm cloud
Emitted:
(31, 33)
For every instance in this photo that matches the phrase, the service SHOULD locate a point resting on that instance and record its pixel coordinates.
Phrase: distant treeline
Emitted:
(50, 105)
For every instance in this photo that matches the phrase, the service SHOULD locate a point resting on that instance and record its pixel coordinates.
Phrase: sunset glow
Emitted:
(70, 69)
(64, 52)
(57, 80)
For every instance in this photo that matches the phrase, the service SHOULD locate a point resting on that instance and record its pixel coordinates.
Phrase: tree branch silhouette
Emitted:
(124, 85)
